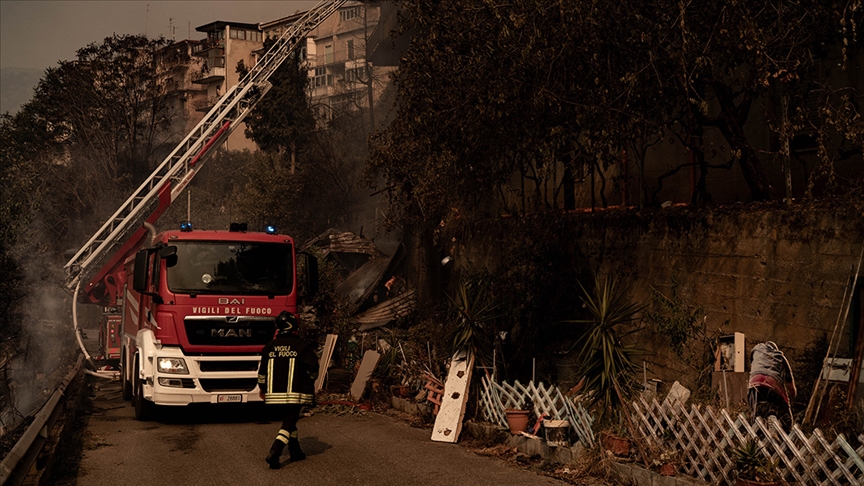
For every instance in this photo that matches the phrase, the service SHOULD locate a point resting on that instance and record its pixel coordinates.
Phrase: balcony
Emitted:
(205, 104)
(205, 46)
(207, 76)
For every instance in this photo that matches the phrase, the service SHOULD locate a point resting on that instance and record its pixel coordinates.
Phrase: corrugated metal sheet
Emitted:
(350, 243)
(387, 311)
(334, 240)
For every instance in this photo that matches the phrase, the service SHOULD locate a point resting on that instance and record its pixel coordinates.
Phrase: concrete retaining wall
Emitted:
(771, 272)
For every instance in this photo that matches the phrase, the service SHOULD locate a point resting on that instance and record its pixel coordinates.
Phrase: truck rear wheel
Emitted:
(144, 409)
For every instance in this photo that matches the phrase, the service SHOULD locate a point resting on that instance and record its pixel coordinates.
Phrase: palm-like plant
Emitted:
(753, 464)
(605, 361)
(475, 313)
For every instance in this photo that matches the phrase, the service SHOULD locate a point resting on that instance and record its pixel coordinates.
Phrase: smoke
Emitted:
(44, 348)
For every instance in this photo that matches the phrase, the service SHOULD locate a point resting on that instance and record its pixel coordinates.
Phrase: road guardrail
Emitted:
(16, 464)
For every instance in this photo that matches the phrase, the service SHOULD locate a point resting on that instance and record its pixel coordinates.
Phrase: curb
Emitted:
(420, 409)
(623, 473)
(531, 446)
(631, 474)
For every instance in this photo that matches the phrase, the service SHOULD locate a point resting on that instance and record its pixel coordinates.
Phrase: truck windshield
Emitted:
(242, 268)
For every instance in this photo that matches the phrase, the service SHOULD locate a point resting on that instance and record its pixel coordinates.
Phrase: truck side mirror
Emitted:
(139, 281)
(169, 254)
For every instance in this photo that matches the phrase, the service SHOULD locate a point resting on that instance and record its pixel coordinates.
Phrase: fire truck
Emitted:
(110, 331)
(196, 306)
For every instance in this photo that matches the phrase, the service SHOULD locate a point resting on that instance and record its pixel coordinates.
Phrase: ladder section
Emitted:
(99, 255)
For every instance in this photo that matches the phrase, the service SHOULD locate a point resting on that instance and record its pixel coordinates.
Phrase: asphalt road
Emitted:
(225, 445)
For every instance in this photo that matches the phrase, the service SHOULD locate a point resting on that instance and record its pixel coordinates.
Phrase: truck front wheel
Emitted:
(144, 409)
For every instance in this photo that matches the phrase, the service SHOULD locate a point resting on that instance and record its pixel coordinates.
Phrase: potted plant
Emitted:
(518, 418)
(753, 465)
(606, 361)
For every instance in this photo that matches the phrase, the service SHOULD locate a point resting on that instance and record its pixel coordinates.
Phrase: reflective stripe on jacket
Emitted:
(288, 371)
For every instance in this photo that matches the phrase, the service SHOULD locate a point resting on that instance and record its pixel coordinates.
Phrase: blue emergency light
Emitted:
(270, 229)
(186, 226)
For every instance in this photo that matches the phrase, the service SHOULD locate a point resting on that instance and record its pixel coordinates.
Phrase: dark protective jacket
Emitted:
(288, 370)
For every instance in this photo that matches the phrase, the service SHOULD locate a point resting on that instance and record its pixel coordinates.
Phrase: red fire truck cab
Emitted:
(198, 306)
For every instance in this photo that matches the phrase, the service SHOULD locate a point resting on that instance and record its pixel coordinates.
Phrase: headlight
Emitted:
(175, 382)
(172, 365)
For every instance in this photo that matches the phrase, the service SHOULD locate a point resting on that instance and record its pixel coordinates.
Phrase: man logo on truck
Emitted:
(226, 333)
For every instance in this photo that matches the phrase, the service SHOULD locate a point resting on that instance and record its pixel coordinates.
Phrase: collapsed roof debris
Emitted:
(387, 311)
(373, 288)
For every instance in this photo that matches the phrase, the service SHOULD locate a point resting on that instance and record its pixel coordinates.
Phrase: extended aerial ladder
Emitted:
(126, 229)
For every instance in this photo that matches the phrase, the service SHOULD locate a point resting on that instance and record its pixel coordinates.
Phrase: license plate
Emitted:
(229, 398)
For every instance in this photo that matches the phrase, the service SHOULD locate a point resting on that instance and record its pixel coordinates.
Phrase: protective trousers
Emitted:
(287, 435)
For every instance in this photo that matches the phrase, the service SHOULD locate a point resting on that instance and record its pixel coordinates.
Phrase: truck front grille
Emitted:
(229, 330)
(208, 366)
(228, 384)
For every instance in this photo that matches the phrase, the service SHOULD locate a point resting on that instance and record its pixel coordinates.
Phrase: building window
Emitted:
(350, 48)
(322, 78)
(238, 34)
(341, 103)
(349, 13)
(328, 54)
(355, 74)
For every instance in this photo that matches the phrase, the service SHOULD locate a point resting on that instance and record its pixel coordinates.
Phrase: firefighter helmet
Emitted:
(286, 321)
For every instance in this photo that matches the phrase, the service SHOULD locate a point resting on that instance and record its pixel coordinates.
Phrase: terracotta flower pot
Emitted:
(668, 469)
(616, 445)
(517, 420)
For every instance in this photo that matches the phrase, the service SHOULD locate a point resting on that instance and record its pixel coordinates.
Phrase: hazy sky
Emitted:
(36, 34)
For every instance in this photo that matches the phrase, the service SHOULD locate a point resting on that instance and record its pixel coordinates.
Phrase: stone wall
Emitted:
(771, 272)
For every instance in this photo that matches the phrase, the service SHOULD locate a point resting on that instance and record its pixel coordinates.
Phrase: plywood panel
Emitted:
(367, 366)
(448, 422)
(324, 361)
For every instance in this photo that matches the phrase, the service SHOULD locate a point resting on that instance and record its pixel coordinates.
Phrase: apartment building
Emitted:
(177, 69)
(349, 58)
(339, 53)
(225, 46)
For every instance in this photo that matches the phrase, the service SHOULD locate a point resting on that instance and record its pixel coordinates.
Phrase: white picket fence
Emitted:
(495, 398)
(702, 438)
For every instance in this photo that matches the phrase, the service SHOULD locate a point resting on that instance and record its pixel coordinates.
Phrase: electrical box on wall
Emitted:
(729, 355)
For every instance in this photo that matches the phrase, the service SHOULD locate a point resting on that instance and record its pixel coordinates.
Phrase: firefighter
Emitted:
(286, 378)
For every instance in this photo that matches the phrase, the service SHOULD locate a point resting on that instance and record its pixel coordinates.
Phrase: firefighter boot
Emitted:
(294, 449)
(274, 454)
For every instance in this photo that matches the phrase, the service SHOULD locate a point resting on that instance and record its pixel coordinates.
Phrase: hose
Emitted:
(75, 326)
(111, 376)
